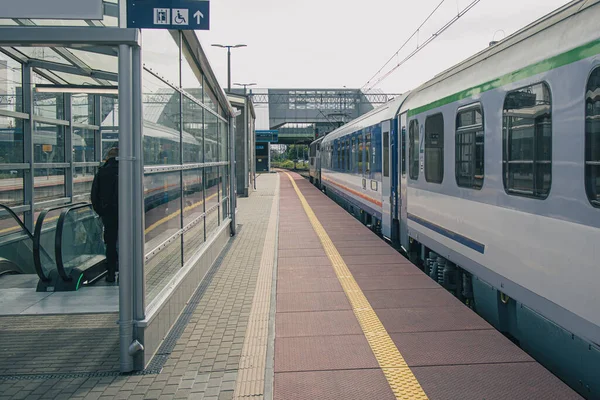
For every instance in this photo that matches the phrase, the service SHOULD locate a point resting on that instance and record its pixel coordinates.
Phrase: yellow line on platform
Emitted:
(402, 381)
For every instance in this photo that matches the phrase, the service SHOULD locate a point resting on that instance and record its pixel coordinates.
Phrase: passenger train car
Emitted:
(488, 178)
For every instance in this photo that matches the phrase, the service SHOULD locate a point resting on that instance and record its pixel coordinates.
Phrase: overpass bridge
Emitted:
(301, 115)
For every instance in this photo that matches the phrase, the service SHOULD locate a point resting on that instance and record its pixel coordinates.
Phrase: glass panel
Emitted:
(368, 154)
(11, 90)
(527, 137)
(193, 239)
(49, 184)
(212, 221)
(413, 149)
(82, 106)
(162, 267)
(82, 180)
(82, 239)
(109, 107)
(49, 105)
(15, 244)
(48, 143)
(223, 140)
(191, 77)
(42, 53)
(84, 145)
(211, 145)
(361, 149)
(159, 51)
(592, 138)
(98, 61)
(11, 139)
(11, 187)
(210, 99)
(162, 196)
(211, 182)
(192, 131)
(193, 195)
(161, 122)
(434, 148)
(469, 168)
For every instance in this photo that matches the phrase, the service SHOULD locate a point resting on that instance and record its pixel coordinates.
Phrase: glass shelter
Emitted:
(72, 90)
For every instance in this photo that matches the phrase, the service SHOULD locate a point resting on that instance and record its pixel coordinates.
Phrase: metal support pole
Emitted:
(98, 134)
(229, 69)
(139, 277)
(232, 194)
(69, 173)
(28, 129)
(126, 209)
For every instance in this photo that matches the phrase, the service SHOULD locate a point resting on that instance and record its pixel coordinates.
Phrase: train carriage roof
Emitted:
(569, 27)
(384, 112)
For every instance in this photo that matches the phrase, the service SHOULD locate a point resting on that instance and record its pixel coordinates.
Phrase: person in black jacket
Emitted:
(105, 200)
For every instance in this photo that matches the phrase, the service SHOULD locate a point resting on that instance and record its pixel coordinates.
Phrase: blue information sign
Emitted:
(267, 136)
(168, 14)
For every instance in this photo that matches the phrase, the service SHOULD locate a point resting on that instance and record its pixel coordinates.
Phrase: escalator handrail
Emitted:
(16, 218)
(36, 240)
(58, 238)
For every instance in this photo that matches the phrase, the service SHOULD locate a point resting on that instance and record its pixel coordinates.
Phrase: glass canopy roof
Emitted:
(74, 65)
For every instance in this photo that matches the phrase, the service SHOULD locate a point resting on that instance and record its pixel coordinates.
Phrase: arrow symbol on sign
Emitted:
(198, 15)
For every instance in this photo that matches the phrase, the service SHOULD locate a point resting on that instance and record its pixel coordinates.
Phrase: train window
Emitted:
(592, 138)
(368, 154)
(434, 148)
(354, 154)
(348, 154)
(527, 141)
(361, 148)
(403, 151)
(469, 167)
(413, 149)
(386, 154)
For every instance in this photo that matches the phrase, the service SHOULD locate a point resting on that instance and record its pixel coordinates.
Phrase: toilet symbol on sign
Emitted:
(180, 16)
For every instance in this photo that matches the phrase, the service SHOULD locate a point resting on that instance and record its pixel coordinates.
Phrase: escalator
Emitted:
(65, 252)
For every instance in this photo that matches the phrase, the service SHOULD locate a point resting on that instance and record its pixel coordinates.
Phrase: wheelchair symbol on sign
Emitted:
(180, 16)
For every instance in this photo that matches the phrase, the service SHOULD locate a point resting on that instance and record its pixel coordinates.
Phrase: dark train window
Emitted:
(403, 151)
(469, 167)
(386, 154)
(368, 153)
(592, 138)
(361, 148)
(527, 141)
(354, 154)
(434, 148)
(348, 154)
(413, 149)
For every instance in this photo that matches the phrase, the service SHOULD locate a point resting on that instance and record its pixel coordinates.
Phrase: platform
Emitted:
(304, 303)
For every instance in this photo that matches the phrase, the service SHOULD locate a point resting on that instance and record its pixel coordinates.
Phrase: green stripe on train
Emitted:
(571, 56)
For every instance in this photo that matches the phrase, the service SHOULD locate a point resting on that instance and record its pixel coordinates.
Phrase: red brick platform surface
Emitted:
(321, 351)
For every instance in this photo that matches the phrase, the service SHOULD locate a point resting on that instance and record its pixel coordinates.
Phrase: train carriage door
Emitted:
(386, 195)
(404, 138)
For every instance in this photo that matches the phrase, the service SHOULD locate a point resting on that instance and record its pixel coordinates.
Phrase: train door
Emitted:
(386, 223)
(403, 149)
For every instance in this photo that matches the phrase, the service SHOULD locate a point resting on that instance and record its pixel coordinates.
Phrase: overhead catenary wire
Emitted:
(419, 47)
(415, 33)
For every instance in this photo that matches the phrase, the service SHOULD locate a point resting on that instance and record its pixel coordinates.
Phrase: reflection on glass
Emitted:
(210, 99)
(161, 53)
(192, 131)
(212, 221)
(162, 267)
(193, 195)
(211, 144)
(48, 143)
(98, 61)
(191, 77)
(110, 139)
(49, 105)
(49, 184)
(162, 194)
(11, 139)
(84, 145)
(82, 180)
(592, 138)
(211, 182)
(82, 238)
(109, 109)
(11, 187)
(11, 91)
(223, 140)
(193, 239)
(82, 106)
(161, 122)
(15, 244)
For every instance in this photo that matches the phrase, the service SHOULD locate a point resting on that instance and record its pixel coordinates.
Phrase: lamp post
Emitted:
(229, 47)
(245, 85)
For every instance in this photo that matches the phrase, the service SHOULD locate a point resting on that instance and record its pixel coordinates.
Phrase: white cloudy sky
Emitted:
(336, 43)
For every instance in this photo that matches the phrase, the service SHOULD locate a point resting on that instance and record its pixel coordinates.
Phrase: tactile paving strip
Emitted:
(403, 383)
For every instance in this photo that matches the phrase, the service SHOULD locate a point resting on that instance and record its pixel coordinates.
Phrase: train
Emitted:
(487, 177)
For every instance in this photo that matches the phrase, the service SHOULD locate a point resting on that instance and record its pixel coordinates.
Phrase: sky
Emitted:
(335, 43)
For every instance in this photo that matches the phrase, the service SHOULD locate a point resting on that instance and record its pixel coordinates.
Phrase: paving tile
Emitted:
(320, 301)
(400, 320)
(319, 323)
